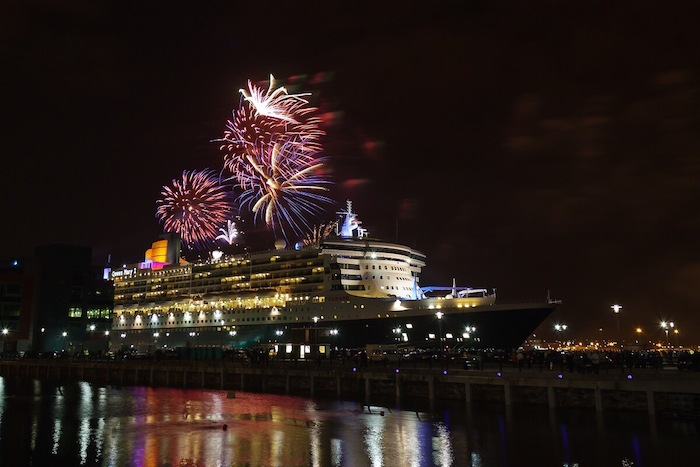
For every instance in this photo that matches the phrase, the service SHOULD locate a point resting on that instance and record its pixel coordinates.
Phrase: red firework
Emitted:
(195, 206)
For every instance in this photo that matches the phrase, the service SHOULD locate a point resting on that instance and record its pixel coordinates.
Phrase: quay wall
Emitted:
(664, 392)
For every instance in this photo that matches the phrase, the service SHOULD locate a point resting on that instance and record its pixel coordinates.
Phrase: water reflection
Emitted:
(82, 424)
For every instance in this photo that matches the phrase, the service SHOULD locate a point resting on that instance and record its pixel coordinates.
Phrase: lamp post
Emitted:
(616, 309)
(639, 334)
(560, 328)
(316, 346)
(439, 317)
(666, 326)
(675, 332)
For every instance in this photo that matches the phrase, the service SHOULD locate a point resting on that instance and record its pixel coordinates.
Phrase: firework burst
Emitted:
(272, 147)
(229, 234)
(285, 191)
(194, 206)
(269, 117)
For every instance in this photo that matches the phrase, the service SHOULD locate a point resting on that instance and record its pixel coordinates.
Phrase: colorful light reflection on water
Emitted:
(89, 425)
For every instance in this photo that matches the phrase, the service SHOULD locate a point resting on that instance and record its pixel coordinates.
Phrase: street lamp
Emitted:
(560, 328)
(439, 317)
(675, 331)
(639, 334)
(666, 326)
(468, 331)
(616, 309)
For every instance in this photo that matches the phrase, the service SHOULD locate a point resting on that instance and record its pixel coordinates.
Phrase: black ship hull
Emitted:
(486, 327)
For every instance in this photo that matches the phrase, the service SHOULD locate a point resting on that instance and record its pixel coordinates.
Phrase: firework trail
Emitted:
(319, 233)
(194, 206)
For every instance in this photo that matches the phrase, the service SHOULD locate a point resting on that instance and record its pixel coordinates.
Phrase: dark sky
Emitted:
(526, 146)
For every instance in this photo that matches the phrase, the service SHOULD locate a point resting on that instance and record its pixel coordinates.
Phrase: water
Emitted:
(80, 424)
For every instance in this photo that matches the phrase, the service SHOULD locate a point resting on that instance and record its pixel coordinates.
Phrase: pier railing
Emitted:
(656, 391)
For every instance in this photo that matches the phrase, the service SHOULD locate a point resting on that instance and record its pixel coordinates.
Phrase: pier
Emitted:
(664, 391)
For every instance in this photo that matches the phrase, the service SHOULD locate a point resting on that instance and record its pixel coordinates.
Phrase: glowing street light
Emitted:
(639, 334)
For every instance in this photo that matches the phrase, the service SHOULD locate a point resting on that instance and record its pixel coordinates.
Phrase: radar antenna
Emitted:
(349, 224)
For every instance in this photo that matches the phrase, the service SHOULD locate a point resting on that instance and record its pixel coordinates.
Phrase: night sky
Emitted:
(525, 146)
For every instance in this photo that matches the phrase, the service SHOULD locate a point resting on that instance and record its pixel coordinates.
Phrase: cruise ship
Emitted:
(346, 290)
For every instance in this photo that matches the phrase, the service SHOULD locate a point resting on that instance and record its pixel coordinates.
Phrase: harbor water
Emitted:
(82, 424)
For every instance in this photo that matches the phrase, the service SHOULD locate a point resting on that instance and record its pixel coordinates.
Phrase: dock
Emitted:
(655, 391)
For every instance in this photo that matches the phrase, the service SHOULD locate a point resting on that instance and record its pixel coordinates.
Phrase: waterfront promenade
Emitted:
(661, 390)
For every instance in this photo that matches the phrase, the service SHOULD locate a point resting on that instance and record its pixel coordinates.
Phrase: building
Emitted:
(55, 300)
(17, 281)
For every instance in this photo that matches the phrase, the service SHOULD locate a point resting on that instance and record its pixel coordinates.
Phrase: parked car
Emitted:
(472, 361)
(689, 361)
(384, 353)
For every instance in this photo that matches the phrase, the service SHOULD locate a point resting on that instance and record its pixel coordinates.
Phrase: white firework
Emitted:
(228, 234)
